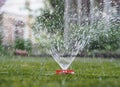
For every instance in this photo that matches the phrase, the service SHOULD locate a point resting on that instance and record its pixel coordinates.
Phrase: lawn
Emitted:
(19, 71)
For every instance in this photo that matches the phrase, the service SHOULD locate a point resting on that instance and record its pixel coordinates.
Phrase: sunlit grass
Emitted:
(40, 72)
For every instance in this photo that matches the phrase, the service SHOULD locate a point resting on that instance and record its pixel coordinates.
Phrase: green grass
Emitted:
(40, 72)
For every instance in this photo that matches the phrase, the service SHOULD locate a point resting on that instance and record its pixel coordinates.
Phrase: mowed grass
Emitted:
(19, 71)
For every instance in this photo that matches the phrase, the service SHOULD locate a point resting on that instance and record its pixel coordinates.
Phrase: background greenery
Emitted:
(23, 44)
(54, 22)
(109, 41)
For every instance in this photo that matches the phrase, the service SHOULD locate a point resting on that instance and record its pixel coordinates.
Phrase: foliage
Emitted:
(28, 45)
(2, 50)
(19, 44)
(51, 20)
(23, 44)
(44, 41)
(0, 38)
(109, 40)
(40, 72)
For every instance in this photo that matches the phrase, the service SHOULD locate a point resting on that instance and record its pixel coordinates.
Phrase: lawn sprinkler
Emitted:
(64, 71)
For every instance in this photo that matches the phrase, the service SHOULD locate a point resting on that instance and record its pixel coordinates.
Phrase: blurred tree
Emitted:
(52, 21)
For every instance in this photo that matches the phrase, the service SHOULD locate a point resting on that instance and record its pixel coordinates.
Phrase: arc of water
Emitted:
(78, 44)
(107, 13)
(92, 13)
(66, 21)
(61, 60)
(79, 9)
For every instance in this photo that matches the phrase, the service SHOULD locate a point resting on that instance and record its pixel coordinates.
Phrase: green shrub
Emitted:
(19, 44)
(0, 38)
(107, 41)
(28, 45)
(23, 44)
(2, 50)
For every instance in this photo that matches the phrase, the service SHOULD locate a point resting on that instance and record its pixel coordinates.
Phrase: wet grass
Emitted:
(40, 72)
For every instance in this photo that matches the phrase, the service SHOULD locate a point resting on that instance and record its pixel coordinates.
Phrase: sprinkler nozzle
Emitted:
(64, 71)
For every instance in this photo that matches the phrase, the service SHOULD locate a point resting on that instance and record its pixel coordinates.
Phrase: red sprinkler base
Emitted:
(64, 72)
